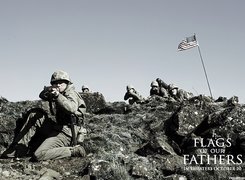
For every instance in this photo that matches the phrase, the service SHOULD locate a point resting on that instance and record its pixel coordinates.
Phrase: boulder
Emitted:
(139, 141)
(94, 101)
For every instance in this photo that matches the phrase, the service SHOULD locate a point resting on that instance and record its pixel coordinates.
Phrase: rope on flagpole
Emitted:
(205, 71)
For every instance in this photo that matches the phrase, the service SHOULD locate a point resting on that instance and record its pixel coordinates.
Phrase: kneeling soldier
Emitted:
(59, 136)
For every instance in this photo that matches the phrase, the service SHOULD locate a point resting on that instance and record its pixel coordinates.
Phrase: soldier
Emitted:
(178, 94)
(223, 101)
(85, 89)
(58, 135)
(158, 90)
(132, 95)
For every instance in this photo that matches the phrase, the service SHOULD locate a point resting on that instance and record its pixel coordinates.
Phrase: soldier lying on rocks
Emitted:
(132, 95)
(159, 90)
(223, 101)
(172, 91)
(178, 94)
(59, 136)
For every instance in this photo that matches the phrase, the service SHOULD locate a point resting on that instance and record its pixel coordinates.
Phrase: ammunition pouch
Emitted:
(76, 136)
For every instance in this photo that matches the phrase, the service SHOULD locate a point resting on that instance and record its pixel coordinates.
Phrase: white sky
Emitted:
(107, 44)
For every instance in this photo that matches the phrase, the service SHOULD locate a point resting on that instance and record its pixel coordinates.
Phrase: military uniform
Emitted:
(132, 95)
(57, 146)
(158, 90)
(57, 135)
(179, 94)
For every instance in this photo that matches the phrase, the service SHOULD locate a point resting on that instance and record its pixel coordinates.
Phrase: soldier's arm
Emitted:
(68, 102)
(164, 92)
(135, 95)
(126, 96)
(151, 92)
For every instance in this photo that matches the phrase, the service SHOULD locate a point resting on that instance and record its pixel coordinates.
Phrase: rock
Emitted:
(103, 169)
(175, 177)
(94, 101)
(3, 100)
(142, 168)
(6, 174)
(114, 108)
(50, 175)
(140, 141)
(157, 145)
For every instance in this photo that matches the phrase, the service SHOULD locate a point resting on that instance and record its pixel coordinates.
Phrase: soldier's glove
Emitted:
(55, 92)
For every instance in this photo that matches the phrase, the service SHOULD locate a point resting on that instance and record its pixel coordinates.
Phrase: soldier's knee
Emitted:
(39, 154)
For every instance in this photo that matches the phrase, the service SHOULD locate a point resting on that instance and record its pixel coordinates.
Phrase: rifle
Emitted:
(162, 83)
(47, 95)
(72, 126)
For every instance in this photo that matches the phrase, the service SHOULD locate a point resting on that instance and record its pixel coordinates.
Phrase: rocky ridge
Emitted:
(158, 139)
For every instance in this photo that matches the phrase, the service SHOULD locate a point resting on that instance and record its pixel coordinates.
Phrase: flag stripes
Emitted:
(188, 43)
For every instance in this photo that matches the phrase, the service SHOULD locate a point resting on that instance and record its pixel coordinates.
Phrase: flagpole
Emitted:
(204, 70)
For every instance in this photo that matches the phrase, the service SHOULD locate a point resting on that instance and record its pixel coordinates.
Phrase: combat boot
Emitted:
(14, 151)
(78, 151)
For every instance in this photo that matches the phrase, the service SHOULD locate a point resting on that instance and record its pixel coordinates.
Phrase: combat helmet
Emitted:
(154, 84)
(172, 86)
(60, 75)
(129, 87)
(85, 87)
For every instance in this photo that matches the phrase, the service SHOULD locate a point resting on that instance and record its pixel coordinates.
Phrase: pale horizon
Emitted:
(110, 44)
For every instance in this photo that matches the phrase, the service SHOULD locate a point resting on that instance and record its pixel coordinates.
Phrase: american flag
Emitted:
(188, 43)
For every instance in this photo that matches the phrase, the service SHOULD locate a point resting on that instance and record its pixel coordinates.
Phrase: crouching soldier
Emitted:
(158, 90)
(132, 95)
(59, 136)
